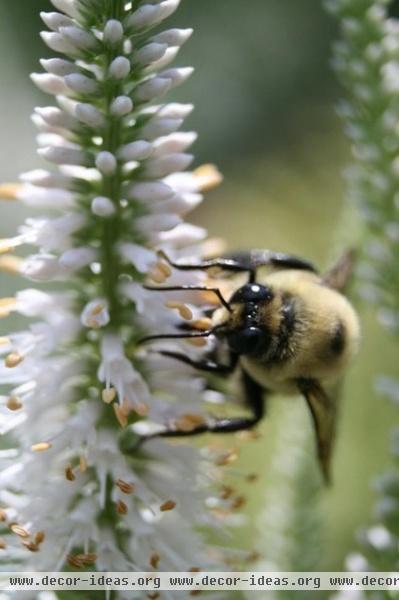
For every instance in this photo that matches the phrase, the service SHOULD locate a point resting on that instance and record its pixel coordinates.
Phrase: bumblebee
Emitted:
(288, 330)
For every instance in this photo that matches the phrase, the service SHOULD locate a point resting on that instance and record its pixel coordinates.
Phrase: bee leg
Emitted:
(253, 394)
(245, 262)
(323, 414)
(202, 365)
(226, 264)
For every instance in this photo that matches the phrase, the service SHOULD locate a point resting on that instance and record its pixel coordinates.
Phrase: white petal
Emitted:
(50, 84)
(168, 57)
(121, 106)
(77, 258)
(157, 222)
(42, 126)
(138, 150)
(64, 156)
(113, 32)
(67, 104)
(177, 75)
(164, 165)
(176, 142)
(79, 37)
(57, 42)
(54, 234)
(81, 84)
(102, 206)
(67, 6)
(183, 182)
(34, 303)
(182, 235)
(142, 258)
(41, 267)
(173, 37)
(151, 89)
(46, 197)
(179, 204)
(41, 177)
(106, 162)
(168, 7)
(95, 314)
(175, 110)
(78, 172)
(56, 117)
(150, 14)
(149, 53)
(58, 66)
(54, 20)
(90, 115)
(119, 67)
(151, 190)
(55, 140)
(136, 292)
(157, 127)
(144, 16)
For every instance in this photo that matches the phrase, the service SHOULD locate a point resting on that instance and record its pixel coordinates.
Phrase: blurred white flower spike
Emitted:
(70, 493)
(366, 60)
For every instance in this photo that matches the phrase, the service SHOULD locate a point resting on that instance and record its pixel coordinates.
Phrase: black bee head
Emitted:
(252, 293)
(247, 333)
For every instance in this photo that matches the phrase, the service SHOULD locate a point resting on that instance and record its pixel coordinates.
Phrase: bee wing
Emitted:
(323, 409)
(338, 276)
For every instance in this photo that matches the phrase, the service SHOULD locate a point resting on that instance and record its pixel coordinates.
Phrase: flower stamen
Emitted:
(9, 191)
(121, 507)
(124, 486)
(13, 359)
(121, 415)
(168, 505)
(9, 263)
(69, 474)
(183, 310)
(154, 560)
(20, 531)
(108, 395)
(14, 403)
(39, 537)
(208, 176)
(31, 546)
(203, 324)
(82, 464)
(41, 447)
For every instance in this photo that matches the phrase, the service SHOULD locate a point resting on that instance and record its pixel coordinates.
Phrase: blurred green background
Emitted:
(264, 95)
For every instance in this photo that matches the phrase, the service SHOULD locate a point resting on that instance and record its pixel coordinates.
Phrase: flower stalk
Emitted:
(117, 193)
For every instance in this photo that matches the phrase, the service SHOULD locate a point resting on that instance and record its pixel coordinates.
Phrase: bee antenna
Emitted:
(252, 276)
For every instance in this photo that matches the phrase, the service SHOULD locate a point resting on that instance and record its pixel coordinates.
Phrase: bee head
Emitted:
(246, 332)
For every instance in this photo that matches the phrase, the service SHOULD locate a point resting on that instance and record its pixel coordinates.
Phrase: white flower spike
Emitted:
(76, 378)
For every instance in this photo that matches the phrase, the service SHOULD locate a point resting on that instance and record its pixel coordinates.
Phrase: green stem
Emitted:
(110, 260)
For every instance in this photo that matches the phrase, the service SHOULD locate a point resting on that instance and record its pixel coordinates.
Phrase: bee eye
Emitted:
(250, 340)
